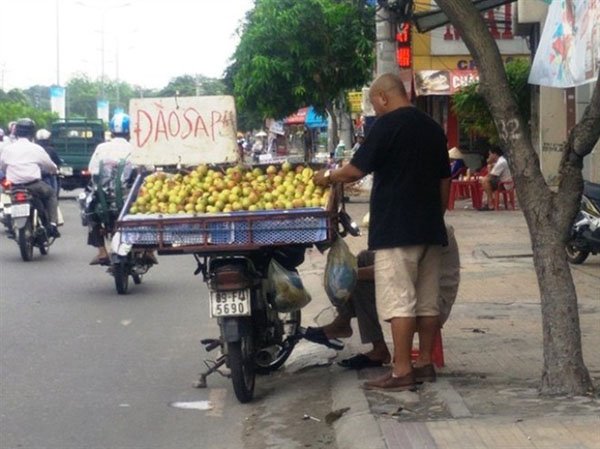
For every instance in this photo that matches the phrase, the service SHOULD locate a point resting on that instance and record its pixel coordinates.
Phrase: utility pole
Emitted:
(385, 32)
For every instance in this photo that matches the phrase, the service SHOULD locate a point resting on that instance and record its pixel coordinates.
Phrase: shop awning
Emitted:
(443, 82)
(314, 120)
(298, 118)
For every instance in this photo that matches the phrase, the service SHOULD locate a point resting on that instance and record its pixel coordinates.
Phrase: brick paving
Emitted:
(492, 347)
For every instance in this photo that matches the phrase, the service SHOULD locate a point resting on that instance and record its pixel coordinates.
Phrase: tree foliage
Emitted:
(83, 92)
(192, 85)
(81, 96)
(13, 110)
(294, 54)
(473, 112)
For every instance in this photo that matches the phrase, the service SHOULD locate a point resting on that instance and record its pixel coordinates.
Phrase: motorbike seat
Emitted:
(591, 190)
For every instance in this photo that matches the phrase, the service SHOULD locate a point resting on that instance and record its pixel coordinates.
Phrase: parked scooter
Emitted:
(27, 219)
(585, 232)
(254, 336)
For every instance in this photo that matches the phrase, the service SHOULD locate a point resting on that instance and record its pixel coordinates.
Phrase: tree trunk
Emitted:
(333, 140)
(548, 214)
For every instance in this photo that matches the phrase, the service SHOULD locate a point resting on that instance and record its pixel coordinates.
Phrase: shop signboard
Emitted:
(355, 101)
(443, 82)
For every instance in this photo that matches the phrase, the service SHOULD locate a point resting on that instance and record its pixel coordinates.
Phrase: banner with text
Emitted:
(569, 51)
(102, 110)
(57, 101)
(183, 130)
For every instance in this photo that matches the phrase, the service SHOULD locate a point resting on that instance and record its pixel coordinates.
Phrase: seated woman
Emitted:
(457, 163)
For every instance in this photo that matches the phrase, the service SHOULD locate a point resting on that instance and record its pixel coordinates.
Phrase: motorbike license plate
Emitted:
(19, 210)
(230, 303)
(65, 170)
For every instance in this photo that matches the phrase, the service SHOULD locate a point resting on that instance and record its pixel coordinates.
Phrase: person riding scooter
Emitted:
(110, 170)
(24, 162)
(42, 138)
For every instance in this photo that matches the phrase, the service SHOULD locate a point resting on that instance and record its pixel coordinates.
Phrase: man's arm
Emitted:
(445, 192)
(366, 273)
(348, 173)
(46, 163)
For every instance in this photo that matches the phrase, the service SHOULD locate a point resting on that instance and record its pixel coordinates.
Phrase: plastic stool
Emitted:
(437, 353)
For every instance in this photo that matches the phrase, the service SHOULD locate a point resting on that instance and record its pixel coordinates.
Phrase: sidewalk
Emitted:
(486, 394)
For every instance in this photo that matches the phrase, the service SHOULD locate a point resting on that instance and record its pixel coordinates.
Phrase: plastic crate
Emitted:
(308, 225)
(195, 232)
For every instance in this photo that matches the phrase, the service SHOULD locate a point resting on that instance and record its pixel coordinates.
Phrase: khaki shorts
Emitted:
(407, 281)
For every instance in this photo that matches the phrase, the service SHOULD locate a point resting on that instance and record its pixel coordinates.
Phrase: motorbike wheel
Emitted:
(240, 359)
(26, 241)
(574, 255)
(121, 274)
(291, 322)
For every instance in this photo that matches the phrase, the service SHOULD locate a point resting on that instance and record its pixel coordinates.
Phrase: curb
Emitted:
(357, 428)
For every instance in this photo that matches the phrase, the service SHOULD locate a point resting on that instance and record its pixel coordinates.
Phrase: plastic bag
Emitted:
(290, 294)
(341, 273)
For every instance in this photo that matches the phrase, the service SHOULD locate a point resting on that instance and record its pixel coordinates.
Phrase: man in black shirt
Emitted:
(407, 153)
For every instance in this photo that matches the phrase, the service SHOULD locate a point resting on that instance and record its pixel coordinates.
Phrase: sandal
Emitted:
(317, 335)
(360, 361)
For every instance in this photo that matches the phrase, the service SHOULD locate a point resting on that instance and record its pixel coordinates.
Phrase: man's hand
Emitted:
(320, 179)
(348, 173)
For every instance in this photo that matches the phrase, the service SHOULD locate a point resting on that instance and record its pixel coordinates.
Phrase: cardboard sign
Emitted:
(183, 130)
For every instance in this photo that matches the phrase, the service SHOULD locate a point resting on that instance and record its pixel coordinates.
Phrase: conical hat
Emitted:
(455, 153)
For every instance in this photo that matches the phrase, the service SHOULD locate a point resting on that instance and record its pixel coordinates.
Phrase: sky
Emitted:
(144, 42)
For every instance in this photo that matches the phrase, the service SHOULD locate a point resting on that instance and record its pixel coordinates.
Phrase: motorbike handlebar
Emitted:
(348, 226)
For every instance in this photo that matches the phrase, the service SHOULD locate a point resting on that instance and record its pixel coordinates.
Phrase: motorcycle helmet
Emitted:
(25, 127)
(119, 124)
(42, 134)
(11, 128)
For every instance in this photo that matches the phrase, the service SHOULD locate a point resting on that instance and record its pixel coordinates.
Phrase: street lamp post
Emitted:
(104, 10)
(57, 45)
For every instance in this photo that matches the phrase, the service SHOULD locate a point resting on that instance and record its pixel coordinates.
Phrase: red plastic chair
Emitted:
(437, 353)
(507, 190)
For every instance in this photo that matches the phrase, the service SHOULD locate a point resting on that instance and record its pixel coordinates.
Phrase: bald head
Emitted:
(387, 93)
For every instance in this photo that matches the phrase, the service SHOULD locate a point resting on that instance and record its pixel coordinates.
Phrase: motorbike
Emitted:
(100, 205)
(27, 219)
(255, 338)
(127, 262)
(585, 232)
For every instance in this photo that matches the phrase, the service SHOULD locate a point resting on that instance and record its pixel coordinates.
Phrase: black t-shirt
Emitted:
(406, 152)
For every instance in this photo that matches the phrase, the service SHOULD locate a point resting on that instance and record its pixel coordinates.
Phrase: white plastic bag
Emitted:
(287, 287)
(341, 272)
